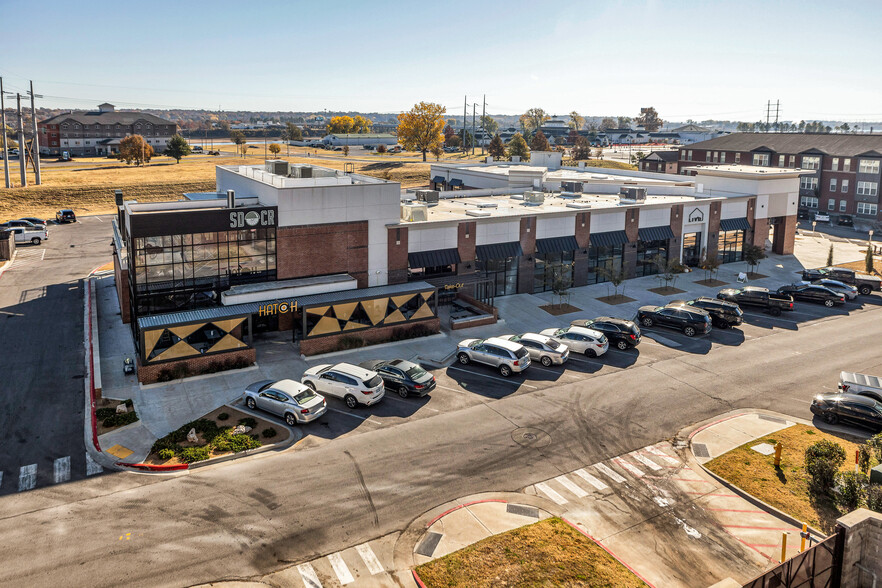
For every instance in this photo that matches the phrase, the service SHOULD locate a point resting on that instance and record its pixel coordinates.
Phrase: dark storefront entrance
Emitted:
(692, 249)
(498, 264)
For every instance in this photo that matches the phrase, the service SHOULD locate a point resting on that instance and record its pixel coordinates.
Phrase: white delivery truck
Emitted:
(852, 383)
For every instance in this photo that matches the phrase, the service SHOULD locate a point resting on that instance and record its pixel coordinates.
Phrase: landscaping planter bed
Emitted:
(105, 412)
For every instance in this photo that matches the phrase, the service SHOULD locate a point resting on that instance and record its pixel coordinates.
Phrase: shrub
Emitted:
(822, 461)
(118, 420)
(228, 442)
(179, 371)
(223, 416)
(165, 375)
(349, 342)
(850, 489)
(269, 433)
(191, 454)
(248, 422)
(130, 404)
(865, 455)
(164, 443)
(103, 413)
(874, 497)
(875, 442)
(166, 454)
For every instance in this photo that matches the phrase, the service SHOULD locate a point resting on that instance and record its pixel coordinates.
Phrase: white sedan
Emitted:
(580, 340)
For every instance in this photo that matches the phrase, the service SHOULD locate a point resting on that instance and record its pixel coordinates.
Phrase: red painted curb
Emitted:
(417, 578)
(447, 512)
(696, 431)
(154, 468)
(602, 546)
(92, 372)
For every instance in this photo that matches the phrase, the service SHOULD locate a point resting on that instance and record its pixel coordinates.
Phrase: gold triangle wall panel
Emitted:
(319, 310)
(345, 310)
(226, 343)
(375, 309)
(351, 326)
(150, 339)
(427, 295)
(424, 311)
(186, 330)
(400, 301)
(326, 325)
(229, 324)
(176, 351)
(394, 317)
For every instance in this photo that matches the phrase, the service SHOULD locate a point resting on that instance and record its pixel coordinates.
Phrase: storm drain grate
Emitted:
(700, 450)
(766, 417)
(427, 546)
(524, 511)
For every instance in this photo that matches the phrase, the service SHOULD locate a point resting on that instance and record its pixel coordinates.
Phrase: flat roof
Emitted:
(749, 171)
(588, 175)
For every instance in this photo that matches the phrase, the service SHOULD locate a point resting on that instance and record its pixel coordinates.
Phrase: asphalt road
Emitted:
(41, 355)
(253, 516)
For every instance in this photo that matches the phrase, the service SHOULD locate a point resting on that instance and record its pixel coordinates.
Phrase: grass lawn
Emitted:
(547, 553)
(787, 488)
(861, 265)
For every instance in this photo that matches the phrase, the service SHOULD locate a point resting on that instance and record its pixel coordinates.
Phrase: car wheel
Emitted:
(865, 290)
(402, 391)
(464, 358)
(622, 345)
(35, 240)
(646, 321)
(311, 386)
(350, 401)
(590, 353)
(546, 361)
(290, 419)
(689, 331)
(250, 403)
(721, 324)
(830, 418)
(775, 311)
(504, 370)
(828, 303)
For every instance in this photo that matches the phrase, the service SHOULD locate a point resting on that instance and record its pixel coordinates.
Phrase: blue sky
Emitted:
(689, 59)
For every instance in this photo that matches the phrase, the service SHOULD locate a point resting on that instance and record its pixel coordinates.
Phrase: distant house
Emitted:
(623, 137)
(663, 162)
(354, 139)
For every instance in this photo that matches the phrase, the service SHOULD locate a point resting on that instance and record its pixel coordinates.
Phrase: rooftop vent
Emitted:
(477, 212)
(486, 204)
(633, 194)
(278, 167)
(575, 187)
(430, 197)
(534, 198)
(414, 212)
(570, 195)
(579, 205)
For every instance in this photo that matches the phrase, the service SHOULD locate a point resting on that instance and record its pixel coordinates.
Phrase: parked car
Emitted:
(403, 377)
(541, 348)
(621, 333)
(850, 292)
(848, 408)
(353, 384)
(865, 283)
(813, 293)
(845, 220)
(28, 235)
(288, 399)
(754, 296)
(215, 152)
(724, 314)
(14, 224)
(691, 321)
(580, 340)
(862, 384)
(196, 148)
(822, 217)
(506, 356)
(35, 221)
(65, 215)
(803, 214)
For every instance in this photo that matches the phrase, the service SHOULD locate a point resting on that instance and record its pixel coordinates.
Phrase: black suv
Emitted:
(402, 376)
(622, 333)
(687, 319)
(845, 220)
(724, 314)
(813, 293)
(65, 215)
(858, 410)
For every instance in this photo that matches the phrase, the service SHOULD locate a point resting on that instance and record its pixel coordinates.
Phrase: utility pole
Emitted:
(35, 145)
(474, 127)
(22, 146)
(777, 105)
(465, 113)
(768, 112)
(5, 150)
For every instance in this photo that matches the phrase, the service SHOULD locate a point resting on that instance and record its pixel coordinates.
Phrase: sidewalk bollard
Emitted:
(804, 534)
(778, 448)
(783, 546)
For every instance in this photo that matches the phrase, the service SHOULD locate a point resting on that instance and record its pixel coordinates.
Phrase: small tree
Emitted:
(850, 489)
(710, 265)
(381, 148)
(753, 254)
(668, 269)
(518, 147)
(830, 256)
(822, 461)
(581, 149)
(237, 137)
(243, 149)
(868, 261)
(598, 153)
(560, 284)
(345, 150)
(615, 277)
(540, 142)
(274, 148)
(496, 148)
(134, 149)
(438, 152)
(177, 148)
(420, 129)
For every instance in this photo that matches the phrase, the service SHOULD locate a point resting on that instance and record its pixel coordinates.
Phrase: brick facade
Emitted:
(149, 374)
(785, 235)
(629, 255)
(342, 249)
(713, 230)
(580, 259)
(465, 244)
(370, 336)
(525, 263)
(397, 255)
(121, 279)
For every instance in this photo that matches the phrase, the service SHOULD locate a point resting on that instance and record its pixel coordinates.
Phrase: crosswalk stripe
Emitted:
(659, 453)
(92, 467)
(27, 477)
(609, 473)
(571, 486)
(647, 462)
(632, 469)
(543, 487)
(62, 469)
(370, 559)
(340, 569)
(590, 479)
(308, 575)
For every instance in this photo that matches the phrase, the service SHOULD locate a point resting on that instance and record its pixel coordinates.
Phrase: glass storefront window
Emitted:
(502, 272)
(648, 252)
(731, 246)
(692, 249)
(603, 257)
(550, 266)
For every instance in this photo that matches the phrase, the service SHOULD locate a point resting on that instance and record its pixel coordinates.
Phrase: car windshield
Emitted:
(373, 382)
(415, 372)
(304, 397)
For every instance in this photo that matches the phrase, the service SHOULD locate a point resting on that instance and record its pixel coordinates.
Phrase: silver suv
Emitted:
(353, 384)
(506, 356)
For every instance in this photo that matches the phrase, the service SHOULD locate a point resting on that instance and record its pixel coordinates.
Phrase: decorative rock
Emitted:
(191, 436)
(241, 430)
(121, 408)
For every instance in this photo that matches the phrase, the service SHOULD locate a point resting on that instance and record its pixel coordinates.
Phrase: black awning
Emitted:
(556, 244)
(435, 258)
(499, 250)
(609, 239)
(662, 233)
(438, 179)
(455, 182)
(735, 224)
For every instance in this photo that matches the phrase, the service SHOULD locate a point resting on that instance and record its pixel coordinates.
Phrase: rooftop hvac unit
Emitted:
(306, 171)
(276, 166)
(635, 194)
(414, 213)
(430, 197)
(534, 198)
(575, 187)
(570, 195)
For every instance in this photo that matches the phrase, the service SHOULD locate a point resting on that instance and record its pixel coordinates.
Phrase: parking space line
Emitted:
(582, 359)
(363, 418)
(554, 496)
(590, 479)
(571, 486)
(343, 573)
(609, 472)
(62, 470)
(514, 382)
(370, 559)
(308, 575)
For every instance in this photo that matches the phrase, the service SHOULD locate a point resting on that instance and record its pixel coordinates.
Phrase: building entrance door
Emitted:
(692, 249)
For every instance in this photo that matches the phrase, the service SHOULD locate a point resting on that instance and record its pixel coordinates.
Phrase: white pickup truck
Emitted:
(852, 383)
(29, 235)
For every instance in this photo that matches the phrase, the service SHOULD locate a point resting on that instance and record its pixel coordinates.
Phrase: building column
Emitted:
(397, 254)
(526, 263)
(465, 244)
(760, 232)
(713, 230)
(674, 244)
(785, 234)
(580, 256)
(629, 255)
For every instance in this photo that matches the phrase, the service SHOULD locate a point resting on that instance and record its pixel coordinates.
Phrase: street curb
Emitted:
(613, 555)
(742, 493)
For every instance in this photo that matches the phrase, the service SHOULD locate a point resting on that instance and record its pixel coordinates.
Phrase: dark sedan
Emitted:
(402, 377)
(724, 314)
(622, 333)
(813, 293)
(848, 408)
(687, 319)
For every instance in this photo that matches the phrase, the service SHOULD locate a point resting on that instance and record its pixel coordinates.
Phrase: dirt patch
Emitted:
(617, 299)
(755, 276)
(861, 266)
(712, 283)
(547, 553)
(786, 488)
(667, 290)
(559, 309)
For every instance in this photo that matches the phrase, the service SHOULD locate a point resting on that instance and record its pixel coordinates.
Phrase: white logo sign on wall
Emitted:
(696, 216)
(264, 218)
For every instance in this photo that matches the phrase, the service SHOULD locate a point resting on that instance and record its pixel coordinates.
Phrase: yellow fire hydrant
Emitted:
(778, 448)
